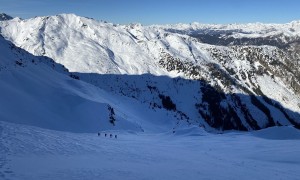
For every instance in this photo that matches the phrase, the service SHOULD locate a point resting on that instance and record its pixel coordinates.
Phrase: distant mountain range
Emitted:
(149, 78)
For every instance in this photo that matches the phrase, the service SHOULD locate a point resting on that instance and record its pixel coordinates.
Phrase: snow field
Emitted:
(35, 153)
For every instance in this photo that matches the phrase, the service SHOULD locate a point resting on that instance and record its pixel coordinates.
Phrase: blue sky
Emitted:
(161, 11)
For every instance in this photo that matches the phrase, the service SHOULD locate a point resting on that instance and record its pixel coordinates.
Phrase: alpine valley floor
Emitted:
(30, 153)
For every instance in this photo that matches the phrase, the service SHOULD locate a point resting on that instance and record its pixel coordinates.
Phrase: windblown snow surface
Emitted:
(33, 153)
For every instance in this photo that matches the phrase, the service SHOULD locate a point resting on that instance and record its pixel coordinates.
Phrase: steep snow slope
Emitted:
(37, 91)
(228, 72)
(81, 44)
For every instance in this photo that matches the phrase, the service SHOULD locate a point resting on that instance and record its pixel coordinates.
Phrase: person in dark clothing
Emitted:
(105, 134)
(99, 134)
(110, 135)
(116, 136)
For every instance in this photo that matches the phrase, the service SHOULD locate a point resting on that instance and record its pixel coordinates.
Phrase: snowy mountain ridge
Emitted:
(243, 30)
(225, 77)
(39, 92)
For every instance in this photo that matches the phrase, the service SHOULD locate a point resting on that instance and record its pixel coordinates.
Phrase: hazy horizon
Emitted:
(149, 12)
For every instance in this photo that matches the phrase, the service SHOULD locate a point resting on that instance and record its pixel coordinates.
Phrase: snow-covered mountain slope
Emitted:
(39, 92)
(81, 44)
(229, 76)
(31, 153)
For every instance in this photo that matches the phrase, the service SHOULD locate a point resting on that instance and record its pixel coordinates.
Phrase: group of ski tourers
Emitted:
(108, 135)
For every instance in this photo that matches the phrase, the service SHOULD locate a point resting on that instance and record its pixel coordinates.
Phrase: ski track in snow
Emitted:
(5, 171)
(35, 153)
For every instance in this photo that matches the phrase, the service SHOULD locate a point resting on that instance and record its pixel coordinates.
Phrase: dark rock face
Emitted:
(216, 110)
(276, 57)
(5, 17)
(167, 103)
